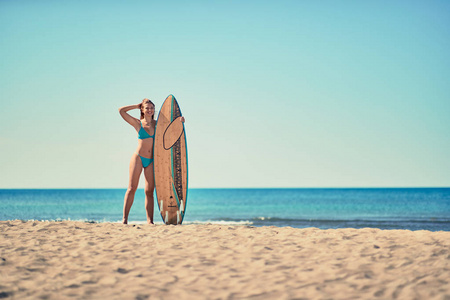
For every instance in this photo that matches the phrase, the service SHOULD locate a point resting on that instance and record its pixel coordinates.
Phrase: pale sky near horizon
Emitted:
(275, 93)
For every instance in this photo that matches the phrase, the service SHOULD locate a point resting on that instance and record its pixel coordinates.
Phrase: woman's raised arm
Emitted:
(131, 120)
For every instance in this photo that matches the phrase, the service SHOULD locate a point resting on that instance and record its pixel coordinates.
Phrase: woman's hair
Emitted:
(146, 101)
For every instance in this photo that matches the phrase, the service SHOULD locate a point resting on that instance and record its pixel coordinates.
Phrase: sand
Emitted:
(61, 260)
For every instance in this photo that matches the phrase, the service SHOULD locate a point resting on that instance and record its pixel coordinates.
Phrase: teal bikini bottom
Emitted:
(146, 161)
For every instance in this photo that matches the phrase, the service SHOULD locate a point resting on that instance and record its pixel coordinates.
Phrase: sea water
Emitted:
(384, 208)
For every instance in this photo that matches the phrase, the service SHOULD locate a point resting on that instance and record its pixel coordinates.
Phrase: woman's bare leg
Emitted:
(135, 173)
(149, 188)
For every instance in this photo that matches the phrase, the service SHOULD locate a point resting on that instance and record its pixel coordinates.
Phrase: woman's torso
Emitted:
(146, 135)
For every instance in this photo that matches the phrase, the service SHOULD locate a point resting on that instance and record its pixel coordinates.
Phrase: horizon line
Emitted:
(224, 188)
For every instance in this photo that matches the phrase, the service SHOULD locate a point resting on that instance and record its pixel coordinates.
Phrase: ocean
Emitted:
(384, 208)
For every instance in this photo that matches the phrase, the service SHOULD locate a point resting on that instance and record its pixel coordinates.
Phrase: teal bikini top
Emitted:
(142, 134)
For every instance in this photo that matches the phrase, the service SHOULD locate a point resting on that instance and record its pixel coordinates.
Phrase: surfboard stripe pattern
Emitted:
(176, 157)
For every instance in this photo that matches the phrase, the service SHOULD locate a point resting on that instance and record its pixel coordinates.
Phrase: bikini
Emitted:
(142, 135)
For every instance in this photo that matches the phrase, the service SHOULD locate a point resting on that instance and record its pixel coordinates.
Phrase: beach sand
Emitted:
(60, 260)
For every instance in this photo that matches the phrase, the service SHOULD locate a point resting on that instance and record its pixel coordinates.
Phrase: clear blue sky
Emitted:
(275, 93)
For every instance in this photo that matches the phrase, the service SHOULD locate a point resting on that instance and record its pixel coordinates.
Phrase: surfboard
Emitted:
(170, 163)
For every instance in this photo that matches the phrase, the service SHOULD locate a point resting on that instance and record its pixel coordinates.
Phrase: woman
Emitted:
(143, 158)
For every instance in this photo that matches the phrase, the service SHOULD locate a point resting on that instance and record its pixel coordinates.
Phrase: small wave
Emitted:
(432, 224)
(219, 222)
(197, 222)
(276, 219)
(63, 220)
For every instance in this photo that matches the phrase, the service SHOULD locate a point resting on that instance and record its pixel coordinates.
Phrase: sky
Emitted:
(274, 93)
